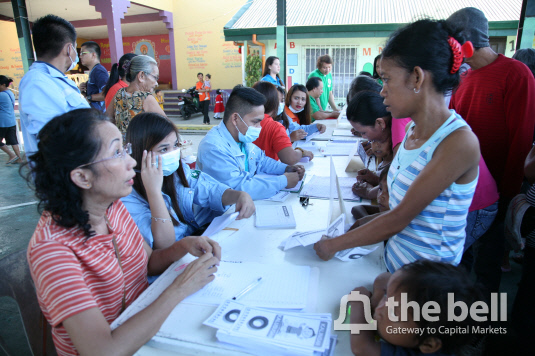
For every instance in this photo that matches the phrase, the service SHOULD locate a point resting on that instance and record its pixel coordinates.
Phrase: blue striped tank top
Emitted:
(438, 232)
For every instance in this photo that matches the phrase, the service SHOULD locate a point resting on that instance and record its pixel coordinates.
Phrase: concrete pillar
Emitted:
(167, 18)
(113, 11)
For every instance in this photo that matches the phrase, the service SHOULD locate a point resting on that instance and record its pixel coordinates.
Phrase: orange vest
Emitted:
(291, 115)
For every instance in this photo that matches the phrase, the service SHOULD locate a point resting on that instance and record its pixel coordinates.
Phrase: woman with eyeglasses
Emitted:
(169, 201)
(142, 74)
(87, 257)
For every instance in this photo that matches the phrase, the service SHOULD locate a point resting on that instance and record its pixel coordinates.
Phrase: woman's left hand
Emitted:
(322, 249)
(151, 175)
(199, 245)
(245, 206)
(308, 154)
(321, 128)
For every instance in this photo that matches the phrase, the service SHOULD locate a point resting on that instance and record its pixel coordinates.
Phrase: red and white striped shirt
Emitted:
(73, 274)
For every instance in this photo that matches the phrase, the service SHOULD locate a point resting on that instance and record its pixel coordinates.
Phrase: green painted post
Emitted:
(281, 38)
(23, 32)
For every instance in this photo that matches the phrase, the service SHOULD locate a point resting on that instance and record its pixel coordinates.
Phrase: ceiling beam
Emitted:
(127, 19)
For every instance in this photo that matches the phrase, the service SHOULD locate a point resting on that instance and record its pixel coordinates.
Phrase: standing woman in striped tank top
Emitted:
(433, 176)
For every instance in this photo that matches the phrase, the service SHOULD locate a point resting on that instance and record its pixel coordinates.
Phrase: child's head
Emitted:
(383, 198)
(383, 149)
(218, 91)
(208, 76)
(157, 91)
(421, 282)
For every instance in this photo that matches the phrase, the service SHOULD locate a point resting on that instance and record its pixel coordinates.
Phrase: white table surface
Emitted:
(249, 244)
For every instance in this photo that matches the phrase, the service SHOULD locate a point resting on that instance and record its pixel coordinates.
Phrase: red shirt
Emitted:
(113, 90)
(273, 137)
(72, 274)
(497, 101)
(219, 106)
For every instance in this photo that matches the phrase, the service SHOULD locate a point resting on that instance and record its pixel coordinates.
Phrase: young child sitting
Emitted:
(368, 180)
(420, 281)
(365, 213)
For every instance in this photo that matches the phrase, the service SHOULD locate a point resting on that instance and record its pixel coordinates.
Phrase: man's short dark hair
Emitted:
(93, 47)
(324, 59)
(242, 100)
(313, 83)
(50, 33)
(200, 74)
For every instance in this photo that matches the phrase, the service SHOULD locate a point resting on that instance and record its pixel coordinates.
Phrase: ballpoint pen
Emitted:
(248, 288)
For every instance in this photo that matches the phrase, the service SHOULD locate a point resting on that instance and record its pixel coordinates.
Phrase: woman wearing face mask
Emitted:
(273, 139)
(169, 201)
(297, 117)
(142, 73)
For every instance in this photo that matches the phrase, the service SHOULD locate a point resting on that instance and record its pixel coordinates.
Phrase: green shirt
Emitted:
(313, 105)
(327, 86)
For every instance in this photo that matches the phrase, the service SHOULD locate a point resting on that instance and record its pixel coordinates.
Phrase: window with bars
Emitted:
(344, 66)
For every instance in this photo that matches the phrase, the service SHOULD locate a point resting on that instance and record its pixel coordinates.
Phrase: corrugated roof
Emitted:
(263, 13)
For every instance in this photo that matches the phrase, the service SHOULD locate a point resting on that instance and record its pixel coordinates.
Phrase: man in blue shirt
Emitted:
(45, 92)
(98, 75)
(228, 154)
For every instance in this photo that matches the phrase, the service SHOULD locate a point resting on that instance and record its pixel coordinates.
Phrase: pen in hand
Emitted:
(247, 289)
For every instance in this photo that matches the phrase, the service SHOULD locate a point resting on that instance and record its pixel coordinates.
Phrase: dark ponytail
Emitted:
(424, 44)
(117, 71)
(5, 80)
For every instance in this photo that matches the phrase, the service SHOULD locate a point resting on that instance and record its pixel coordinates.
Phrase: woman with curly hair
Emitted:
(86, 256)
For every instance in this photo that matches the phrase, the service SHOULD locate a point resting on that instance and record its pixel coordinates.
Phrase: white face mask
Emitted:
(296, 111)
(281, 109)
(251, 134)
(73, 63)
(170, 162)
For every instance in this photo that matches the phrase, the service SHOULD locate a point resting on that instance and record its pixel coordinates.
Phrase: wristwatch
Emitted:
(88, 97)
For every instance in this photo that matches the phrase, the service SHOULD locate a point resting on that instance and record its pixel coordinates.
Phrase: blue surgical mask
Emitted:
(170, 162)
(73, 63)
(281, 109)
(251, 134)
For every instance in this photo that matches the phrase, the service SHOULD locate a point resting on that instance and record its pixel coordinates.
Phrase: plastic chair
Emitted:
(17, 283)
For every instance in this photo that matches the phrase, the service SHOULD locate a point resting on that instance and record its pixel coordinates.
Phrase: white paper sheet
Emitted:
(220, 223)
(337, 148)
(311, 136)
(319, 187)
(343, 132)
(355, 253)
(280, 197)
(282, 286)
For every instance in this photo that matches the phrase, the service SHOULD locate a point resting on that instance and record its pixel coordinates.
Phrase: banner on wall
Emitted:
(156, 46)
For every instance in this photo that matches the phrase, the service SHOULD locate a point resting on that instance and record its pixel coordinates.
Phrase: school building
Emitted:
(186, 37)
(353, 32)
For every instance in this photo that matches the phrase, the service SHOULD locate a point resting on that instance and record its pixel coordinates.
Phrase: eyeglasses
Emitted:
(155, 77)
(127, 150)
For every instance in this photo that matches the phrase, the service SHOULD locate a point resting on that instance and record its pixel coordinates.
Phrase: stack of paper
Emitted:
(342, 148)
(269, 332)
(275, 217)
